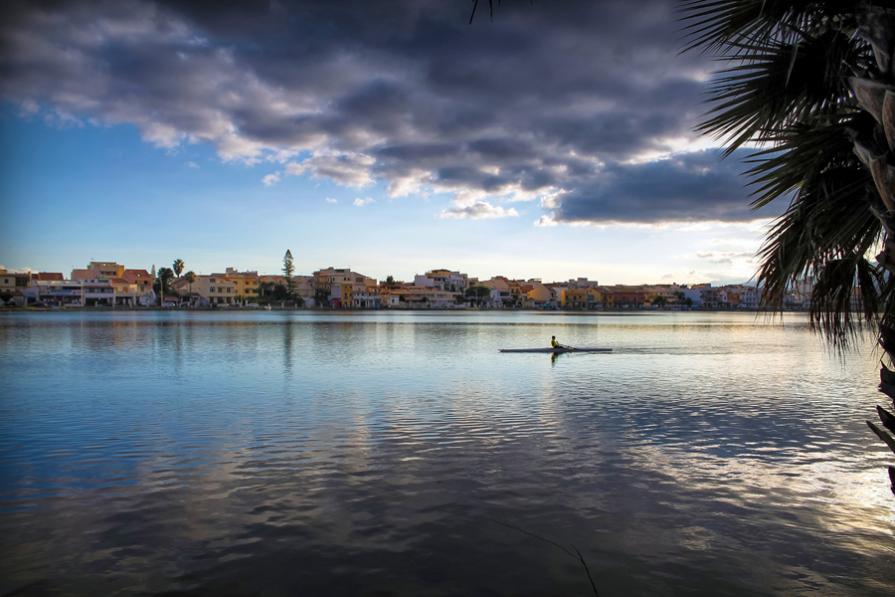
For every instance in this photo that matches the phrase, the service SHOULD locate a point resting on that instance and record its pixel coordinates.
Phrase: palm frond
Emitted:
(825, 235)
(844, 289)
(785, 89)
(803, 150)
(718, 26)
(777, 86)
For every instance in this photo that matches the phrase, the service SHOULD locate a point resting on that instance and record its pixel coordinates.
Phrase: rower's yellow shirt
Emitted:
(554, 343)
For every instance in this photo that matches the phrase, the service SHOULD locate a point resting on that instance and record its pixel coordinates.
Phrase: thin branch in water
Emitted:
(475, 5)
(573, 552)
(590, 578)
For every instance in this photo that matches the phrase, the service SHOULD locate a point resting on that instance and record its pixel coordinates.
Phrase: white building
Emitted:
(501, 292)
(62, 293)
(694, 295)
(443, 279)
(582, 283)
(113, 292)
(411, 296)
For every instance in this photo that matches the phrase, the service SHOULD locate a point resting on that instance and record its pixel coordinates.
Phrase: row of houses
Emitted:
(584, 294)
(444, 288)
(111, 284)
(100, 284)
(335, 288)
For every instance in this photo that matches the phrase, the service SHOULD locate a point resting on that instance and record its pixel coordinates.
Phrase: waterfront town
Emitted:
(108, 284)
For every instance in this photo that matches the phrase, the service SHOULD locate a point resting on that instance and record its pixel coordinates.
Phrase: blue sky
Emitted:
(240, 160)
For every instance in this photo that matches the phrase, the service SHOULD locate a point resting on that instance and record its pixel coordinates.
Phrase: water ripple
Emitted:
(400, 453)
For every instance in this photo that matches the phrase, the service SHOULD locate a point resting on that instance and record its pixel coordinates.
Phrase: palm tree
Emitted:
(177, 266)
(190, 277)
(163, 279)
(812, 85)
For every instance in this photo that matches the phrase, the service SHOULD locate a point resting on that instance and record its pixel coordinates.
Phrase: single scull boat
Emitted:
(556, 350)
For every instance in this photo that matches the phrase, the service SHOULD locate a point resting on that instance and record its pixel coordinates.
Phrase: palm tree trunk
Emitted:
(877, 97)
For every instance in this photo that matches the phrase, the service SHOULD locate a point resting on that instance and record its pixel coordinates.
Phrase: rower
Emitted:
(554, 343)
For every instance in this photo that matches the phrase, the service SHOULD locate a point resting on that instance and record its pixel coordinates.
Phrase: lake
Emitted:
(380, 453)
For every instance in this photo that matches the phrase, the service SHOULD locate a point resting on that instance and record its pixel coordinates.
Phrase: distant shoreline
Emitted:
(392, 310)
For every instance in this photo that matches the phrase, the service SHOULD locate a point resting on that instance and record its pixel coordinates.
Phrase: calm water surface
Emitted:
(400, 453)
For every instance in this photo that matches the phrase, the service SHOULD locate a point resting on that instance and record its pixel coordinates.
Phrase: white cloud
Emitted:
(363, 201)
(162, 135)
(358, 109)
(347, 168)
(331, 200)
(192, 164)
(728, 257)
(28, 107)
(479, 210)
(414, 182)
(550, 199)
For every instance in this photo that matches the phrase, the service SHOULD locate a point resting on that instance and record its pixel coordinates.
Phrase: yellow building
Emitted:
(500, 287)
(99, 270)
(621, 296)
(245, 284)
(216, 289)
(7, 282)
(272, 279)
(537, 293)
(581, 298)
(340, 285)
(518, 291)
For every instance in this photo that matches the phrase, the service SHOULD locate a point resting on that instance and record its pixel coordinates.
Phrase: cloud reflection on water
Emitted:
(273, 452)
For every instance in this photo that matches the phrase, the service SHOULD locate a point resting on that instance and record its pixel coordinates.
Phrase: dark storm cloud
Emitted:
(549, 98)
(696, 186)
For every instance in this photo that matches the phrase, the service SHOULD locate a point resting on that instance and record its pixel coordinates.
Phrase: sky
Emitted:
(554, 141)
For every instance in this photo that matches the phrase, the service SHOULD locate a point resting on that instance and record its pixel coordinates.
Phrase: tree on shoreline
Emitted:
(177, 266)
(813, 85)
(190, 277)
(478, 294)
(269, 292)
(288, 270)
(322, 293)
(163, 282)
